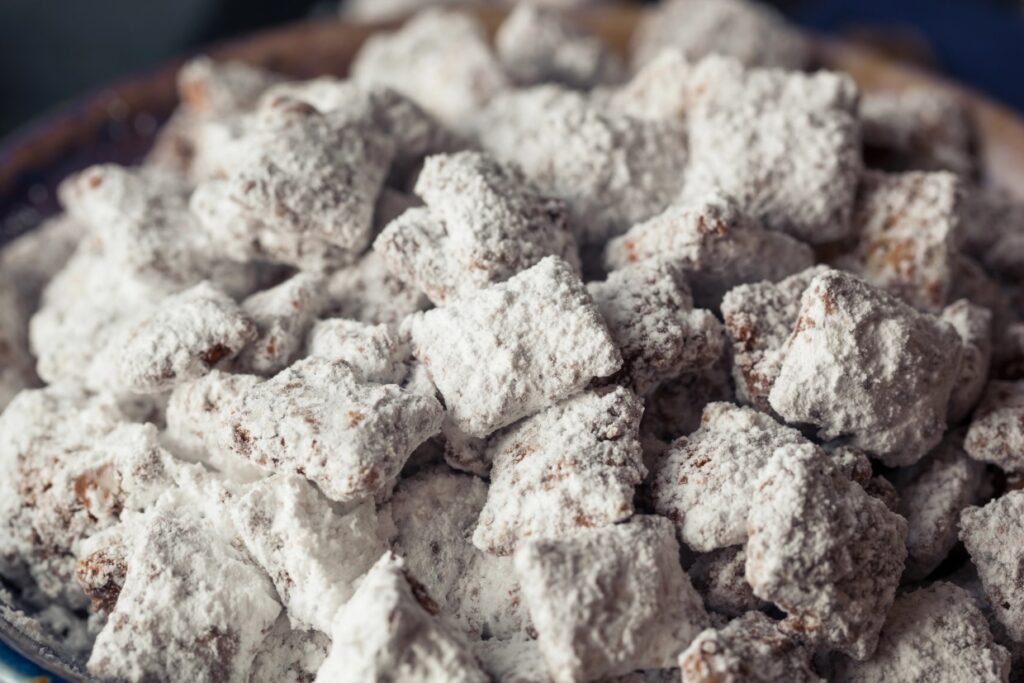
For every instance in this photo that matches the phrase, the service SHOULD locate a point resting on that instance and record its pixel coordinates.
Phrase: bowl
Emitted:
(118, 123)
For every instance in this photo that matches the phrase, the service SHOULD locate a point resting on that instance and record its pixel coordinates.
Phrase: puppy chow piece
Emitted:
(198, 423)
(823, 551)
(705, 483)
(439, 59)
(510, 350)
(103, 565)
(320, 419)
(299, 187)
(391, 629)
(751, 33)
(540, 45)
(992, 536)
(192, 607)
(675, 408)
(750, 649)
(378, 353)
(483, 222)
(290, 655)
(759, 318)
(56, 488)
(919, 129)
(932, 495)
(367, 291)
(31, 260)
(974, 325)
(658, 90)
(907, 225)
(182, 339)
(931, 634)
(571, 467)
(784, 145)
(715, 244)
(414, 132)
(612, 170)
(434, 513)
(862, 365)
(610, 600)
(650, 314)
(210, 87)
(464, 452)
(314, 555)
(720, 578)
(282, 314)
(996, 433)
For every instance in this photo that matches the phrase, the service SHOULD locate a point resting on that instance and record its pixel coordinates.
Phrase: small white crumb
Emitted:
(391, 629)
(510, 350)
(610, 600)
(571, 467)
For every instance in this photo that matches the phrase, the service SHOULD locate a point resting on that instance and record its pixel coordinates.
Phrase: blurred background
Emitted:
(54, 50)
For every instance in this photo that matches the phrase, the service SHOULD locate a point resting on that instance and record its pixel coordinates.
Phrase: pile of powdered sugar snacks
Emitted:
(519, 361)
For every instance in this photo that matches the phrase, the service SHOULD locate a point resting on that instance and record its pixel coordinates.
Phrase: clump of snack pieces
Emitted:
(521, 360)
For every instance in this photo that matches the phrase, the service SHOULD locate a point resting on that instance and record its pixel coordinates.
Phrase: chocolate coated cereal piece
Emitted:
(996, 433)
(368, 292)
(282, 314)
(378, 353)
(974, 325)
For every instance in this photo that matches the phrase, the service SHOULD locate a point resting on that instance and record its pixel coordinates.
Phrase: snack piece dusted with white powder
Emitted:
(705, 482)
(610, 600)
(368, 292)
(907, 225)
(974, 325)
(652, 320)
(434, 513)
(823, 550)
(290, 655)
(392, 629)
(540, 45)
(992, 535)
(931, 634)
(483, 223)
(300, 187)
(198, 424)
(510, 350)
(919, 129)
(192, 607)
(283, 315)
(751, 649)
(571, 467)
(720, 578)
(863, 365)
(784, 145)
(16, 363)
(759, 318)
(318, 418)
(440, 59)
(996, 434)
(314, 555)
(932, 494)
(378, 353)
(717, 246)
(751, 33)
(183, 339)
(612, 170)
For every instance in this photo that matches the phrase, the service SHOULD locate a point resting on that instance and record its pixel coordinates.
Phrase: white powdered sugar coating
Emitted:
(313, 554)
(540, 327)
(319, 418)
(784, 145)
(368, 292)
(862, 365)
(751, 649)
(483, 222)
(974, 325)
(378, 353)
(392, 629)
(611, 600)
(571, 467)
(715, 243)
(932, 634)
(612, 170)
(824, 551)
(705, 481)
(996, 433)
(282, 315)
(650, 314)
(992, 535)
(538, 45)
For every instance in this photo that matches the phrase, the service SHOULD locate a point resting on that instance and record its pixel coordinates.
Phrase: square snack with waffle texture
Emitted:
(510, 350)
